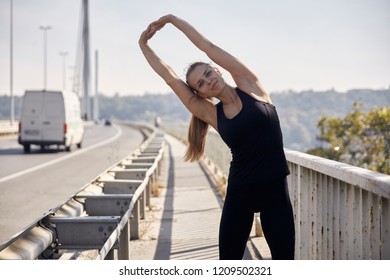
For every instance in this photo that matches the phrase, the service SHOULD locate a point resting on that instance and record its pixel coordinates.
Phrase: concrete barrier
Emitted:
(7, 128)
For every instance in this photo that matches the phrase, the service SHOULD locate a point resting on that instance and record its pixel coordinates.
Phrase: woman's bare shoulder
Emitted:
(256, 90)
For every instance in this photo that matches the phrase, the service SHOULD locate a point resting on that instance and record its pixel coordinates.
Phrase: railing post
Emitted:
(142, 206)
(343, 221)
(305, 241)
(385, 230)
(330, 219)
(350, 203)
(366, 209)
(148, 193)
(313, 216)
(323, 216)
(336, 219)
(375, 228)
(124, 243)
(294, 185)
(134, 222)
(357, 225)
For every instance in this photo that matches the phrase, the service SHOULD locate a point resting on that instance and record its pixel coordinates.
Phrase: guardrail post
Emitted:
(148, 193)
(126, 186)
(134, 222)
(142, 206)
(124, 243)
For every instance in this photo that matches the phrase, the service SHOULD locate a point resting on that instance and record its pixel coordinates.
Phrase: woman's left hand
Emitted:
(153, 27)
(147, 34)
(160, 23)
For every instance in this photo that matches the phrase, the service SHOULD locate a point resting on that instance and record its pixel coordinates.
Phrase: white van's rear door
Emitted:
(53, 117)
(31, 117)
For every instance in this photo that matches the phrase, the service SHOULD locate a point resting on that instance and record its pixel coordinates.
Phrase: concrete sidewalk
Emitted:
(183, 221)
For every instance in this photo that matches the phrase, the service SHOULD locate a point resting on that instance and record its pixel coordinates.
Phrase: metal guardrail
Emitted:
(101, 219)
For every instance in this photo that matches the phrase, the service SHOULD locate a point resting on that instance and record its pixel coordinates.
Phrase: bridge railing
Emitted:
(340, 211)
(99, 221)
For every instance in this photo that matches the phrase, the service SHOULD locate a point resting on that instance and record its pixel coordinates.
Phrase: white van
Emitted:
(50, 118)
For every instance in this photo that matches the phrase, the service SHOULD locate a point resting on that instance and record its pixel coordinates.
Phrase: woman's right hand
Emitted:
(160, 23)
(152, 28)
(146, 35)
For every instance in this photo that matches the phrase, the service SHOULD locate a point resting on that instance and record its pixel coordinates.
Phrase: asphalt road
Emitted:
(32, 184)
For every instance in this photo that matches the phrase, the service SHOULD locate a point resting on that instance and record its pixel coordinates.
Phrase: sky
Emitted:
(291, 44)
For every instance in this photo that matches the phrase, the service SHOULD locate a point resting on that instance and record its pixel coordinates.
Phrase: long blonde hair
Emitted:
(197, 131)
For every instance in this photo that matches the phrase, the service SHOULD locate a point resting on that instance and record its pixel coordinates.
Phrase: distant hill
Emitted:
(299, 112)
(143, 108)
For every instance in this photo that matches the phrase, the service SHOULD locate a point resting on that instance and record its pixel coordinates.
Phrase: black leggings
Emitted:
(272, 200)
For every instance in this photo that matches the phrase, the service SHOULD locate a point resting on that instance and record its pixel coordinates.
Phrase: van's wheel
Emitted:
(26, 148)
(79, 145)
(68, 148)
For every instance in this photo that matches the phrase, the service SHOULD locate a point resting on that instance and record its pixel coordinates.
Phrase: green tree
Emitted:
(360, 139)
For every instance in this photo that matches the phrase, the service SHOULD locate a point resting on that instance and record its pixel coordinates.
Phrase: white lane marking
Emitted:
(17, 174)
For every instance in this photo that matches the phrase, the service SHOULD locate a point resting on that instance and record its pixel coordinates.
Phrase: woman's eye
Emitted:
(208, 73)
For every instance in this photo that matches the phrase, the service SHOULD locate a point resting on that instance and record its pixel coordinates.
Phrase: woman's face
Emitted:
(206, 80)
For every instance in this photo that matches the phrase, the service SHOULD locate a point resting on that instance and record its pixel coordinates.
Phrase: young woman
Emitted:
(248, 123)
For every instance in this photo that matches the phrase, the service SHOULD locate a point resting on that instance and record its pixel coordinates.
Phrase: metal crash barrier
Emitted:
(99, 221)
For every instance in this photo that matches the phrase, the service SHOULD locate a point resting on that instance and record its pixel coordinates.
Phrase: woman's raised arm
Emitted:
(200, 107)
(244, 77)
(218, 55)
(159, 66)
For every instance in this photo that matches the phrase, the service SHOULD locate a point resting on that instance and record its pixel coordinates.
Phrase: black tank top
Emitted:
(255, 139)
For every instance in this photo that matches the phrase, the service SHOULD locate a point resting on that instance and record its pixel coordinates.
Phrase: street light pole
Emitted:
(45, 29)
(11, 65)
(63, 54)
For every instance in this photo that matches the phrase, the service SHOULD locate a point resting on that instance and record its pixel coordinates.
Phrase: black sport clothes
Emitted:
(272, 200)
(257, 181)
(256, 142)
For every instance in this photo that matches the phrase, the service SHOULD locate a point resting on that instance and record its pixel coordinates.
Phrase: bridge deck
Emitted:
(183, 221)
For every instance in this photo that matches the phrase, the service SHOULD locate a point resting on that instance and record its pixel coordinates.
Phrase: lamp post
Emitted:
(11, 90)
(45, 29)
(63, 54)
